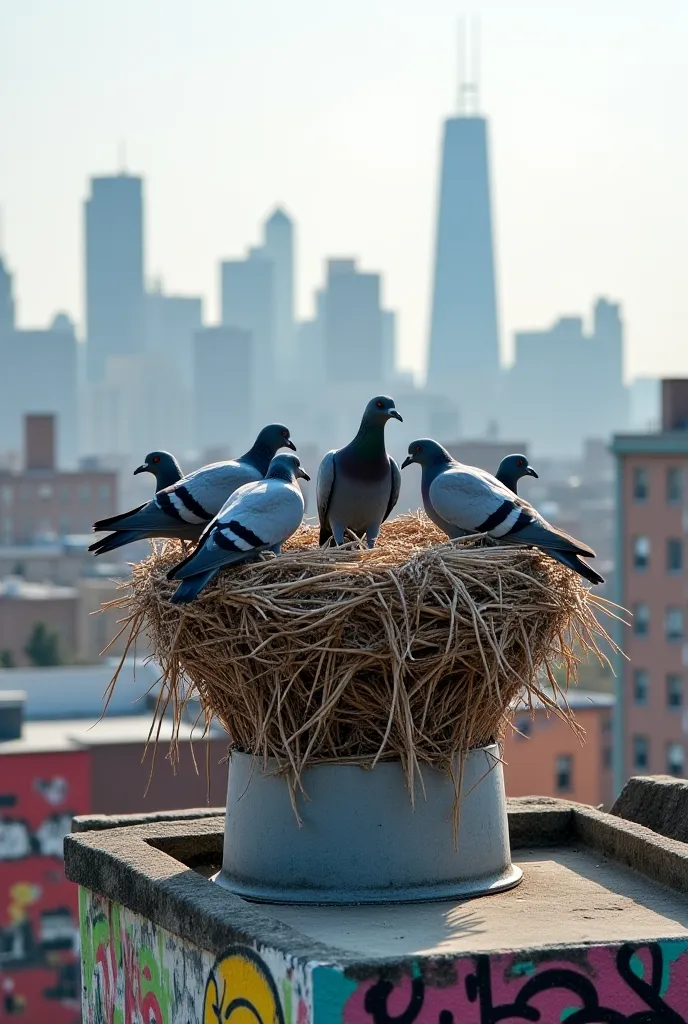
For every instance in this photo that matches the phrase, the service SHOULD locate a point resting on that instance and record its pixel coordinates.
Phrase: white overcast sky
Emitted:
(335, 110)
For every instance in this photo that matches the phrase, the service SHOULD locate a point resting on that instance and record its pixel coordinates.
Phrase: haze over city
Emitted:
(336, 114)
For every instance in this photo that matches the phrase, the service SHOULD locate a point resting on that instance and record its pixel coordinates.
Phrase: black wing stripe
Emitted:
(165, 504)
(497, 518)
(191, 504)
(243, 531)
(523, 520)
(223, 541)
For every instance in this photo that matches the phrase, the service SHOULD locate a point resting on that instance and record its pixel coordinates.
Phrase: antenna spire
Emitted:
(469, 66)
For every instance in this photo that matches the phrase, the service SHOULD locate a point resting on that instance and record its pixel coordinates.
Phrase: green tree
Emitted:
(6, 658)
(43, 646)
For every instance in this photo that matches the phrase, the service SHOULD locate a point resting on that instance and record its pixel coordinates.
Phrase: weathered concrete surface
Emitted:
(659, 802)
(91, 822)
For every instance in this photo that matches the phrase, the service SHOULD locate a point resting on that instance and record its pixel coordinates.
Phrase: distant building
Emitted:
(23, 605)
(278, 247)
(42, 502)
(40, 374)
(651, 562)
(248, 304)
(115, 315)
(485, 454)
(352, 326)
(172, 321)
(644, 396)
(52, 769)
(464, 358)
(389, 346)
(567, 385)
(545, 758)
(223, 375)
(7, 310)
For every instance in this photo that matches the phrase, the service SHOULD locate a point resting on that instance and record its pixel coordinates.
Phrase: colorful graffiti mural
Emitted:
(137, 973)
(39, 935)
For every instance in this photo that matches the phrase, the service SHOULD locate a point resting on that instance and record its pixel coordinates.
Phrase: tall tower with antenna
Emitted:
(7, 311)
(464, 361)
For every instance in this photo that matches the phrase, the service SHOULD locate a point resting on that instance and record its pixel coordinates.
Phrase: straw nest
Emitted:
(419, 649)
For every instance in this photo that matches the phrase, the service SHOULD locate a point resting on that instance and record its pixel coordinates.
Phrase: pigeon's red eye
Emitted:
(156, 458)
(285, 433)
(419, 448)
(521, 462)
(379, 405)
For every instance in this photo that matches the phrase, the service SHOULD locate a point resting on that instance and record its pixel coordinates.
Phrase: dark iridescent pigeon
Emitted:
(358, 486)
(257, 517)
(164, 468)
(466, 499)
(513, 468)
(185, 509)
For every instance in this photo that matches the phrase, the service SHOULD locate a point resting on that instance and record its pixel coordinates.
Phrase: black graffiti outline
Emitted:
(241, 1002)
(478, 986)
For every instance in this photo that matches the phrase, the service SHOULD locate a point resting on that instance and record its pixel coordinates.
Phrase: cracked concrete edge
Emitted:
(659, 802)
(98, 822)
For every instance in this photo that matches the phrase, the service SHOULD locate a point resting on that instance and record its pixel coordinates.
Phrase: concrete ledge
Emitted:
(98, 822)
(659, 802)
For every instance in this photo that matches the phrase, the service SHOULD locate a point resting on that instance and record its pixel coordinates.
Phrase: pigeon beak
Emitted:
(407, 461)
(290, 444)
(304, 475)
(531, 472)
(395, 415)
(141, 469)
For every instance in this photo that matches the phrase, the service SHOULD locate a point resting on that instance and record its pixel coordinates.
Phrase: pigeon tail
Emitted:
(114, 540)
(545, 536)
(577, 564)
(114, 521)
(189, 589)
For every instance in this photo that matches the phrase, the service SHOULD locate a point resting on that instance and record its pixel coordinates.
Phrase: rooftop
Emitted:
(59, 735)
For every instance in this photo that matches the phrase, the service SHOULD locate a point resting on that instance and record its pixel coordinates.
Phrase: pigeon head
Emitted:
(380, 409)
(158, 463)
(513, 468)
(273, 437)
(426, 452)
(286, 467)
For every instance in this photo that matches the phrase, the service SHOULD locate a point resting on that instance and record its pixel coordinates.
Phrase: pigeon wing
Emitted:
(325, 485)
(396, 487)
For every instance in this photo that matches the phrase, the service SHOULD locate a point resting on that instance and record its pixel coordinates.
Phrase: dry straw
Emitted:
(417, 650)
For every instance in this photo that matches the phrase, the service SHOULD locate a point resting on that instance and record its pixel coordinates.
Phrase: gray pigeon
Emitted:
(257, 517)
(185, 509)
(358, 486)
(459, 497)
(164, 468)
(513, 468)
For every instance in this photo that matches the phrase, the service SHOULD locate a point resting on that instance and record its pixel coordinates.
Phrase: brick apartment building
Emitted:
(651, 525)
(42, 501)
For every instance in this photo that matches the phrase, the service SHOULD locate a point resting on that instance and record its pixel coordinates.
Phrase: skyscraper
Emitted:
(279, 249)
(115, 318)
(353, 325)
(223, 361)
(6, 301)
(248, 303)
(464, 358)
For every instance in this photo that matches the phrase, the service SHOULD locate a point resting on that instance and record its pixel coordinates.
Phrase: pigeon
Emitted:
(358, 486)
(464, 498)
(257, 517)
(185, 509)
(513, 468)
(164, 468)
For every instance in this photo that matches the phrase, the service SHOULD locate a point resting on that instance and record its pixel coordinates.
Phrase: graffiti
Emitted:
(630, 983)
(54, 791)
(18, 840)
(134, 971)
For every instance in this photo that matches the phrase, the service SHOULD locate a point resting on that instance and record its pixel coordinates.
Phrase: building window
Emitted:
(45, 491)
(675, 759)
(564, 773)
(674, 485)
(674, 554)
(674, 690)
(641, 756)
(641, 484)
(7, 495)
(673, 624)
(65, 493)
(641, 552)
(641, 619)
(85, 492)
(104, 492)
(641, 686)
(607, 757)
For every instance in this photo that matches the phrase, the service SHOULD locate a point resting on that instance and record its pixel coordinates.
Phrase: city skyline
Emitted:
(563, 197)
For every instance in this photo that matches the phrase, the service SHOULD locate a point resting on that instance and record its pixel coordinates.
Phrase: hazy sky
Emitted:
(335, 110)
